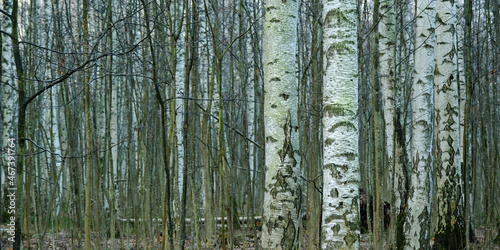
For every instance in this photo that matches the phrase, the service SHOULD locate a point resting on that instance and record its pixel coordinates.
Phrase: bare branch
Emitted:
(241, 35)
(6, 33)
(43, 149)
(66, 75)
(229, 126)
(51, 50)
(5, 13)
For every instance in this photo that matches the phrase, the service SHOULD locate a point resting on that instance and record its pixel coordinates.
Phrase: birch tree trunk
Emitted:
(7, 96)
(387, 55)
(340, 228)
(450, 227)
(417, 228)
(207, 163)
(112, 126)
(282, 195)
(260, 152)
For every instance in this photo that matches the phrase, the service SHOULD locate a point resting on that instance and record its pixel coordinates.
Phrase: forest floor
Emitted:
(244, 240)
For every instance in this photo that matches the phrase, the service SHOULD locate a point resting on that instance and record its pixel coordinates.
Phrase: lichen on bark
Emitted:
(340, 227)
(282, 189)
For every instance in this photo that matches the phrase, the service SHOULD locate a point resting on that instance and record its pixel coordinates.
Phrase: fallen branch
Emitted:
(218, 220)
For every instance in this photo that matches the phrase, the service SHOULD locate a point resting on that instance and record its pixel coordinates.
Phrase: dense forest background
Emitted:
(156, 124)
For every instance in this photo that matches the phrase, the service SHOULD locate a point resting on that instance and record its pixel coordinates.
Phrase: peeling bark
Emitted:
(282, 190)
(450, 231)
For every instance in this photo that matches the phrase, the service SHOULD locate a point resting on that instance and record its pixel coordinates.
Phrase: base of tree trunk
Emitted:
(452, 239)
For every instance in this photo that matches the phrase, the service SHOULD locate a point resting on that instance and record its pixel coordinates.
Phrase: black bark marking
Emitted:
(329, 141)
(336, 228)
(336, 17)
(288, 240)
(279, 186)
(270, 139)
(287, 144)
(336, 110)
(334, 193)
(284, 96)
(424, 228)
(349, 155)
(346, 124)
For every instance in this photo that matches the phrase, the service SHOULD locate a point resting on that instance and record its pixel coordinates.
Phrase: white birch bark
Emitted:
(113, 87)
(64, 175)
(340, 227)
(114, 129)
(459, 34)
(387, 55)
(409, 39)
(417, 228)
(8, 97)
(402, 129)
(282, 193)
(450, 225)
(60, 114)
(7, 80)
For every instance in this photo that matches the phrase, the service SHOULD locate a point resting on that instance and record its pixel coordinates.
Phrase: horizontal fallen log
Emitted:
(217, 220)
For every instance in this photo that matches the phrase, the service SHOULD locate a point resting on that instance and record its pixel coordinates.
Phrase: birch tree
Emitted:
(391, 101)
(377, 133)
(387, 55)
(282, 193)
(87, 126)
(450, 227)
(7, 93)
(340, 127)
(402, 146)
(417, 228)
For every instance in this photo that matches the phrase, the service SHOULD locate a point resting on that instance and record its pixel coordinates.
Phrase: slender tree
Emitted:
(387, 76)
(111, 126)
(316, 82)
(260, 152)
(402, 132)
(467, 173)
(88, 145)
(167, 229)
(377, 121)
(21, 123)
(496, 80)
